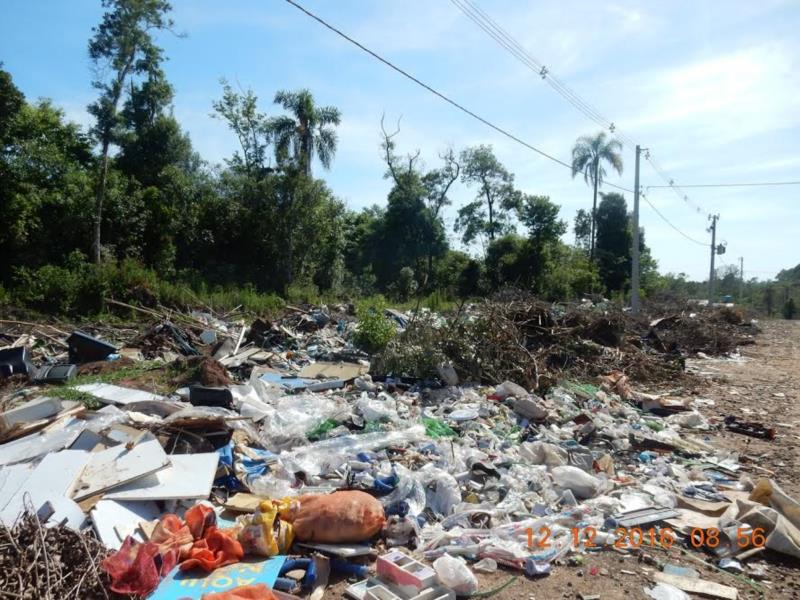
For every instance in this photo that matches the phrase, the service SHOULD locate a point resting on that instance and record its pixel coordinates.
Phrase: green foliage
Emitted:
(488, 216)
(307, 134)
(613, 246)
(375, 330)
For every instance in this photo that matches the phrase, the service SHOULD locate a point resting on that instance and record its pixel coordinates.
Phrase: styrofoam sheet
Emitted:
(118, 465)
(115, 394)
(11, 479)
(41, 443)
(113, 520)
(50, 480)
(188, 477)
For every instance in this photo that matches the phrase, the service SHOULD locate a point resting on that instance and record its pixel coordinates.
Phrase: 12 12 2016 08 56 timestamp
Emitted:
(636, 537)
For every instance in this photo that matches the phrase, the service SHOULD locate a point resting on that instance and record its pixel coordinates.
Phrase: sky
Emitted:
(711, 88)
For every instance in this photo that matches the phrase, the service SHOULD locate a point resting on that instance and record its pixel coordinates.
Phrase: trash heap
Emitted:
(278, 464)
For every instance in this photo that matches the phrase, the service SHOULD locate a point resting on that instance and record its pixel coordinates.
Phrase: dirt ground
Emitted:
(764, 385)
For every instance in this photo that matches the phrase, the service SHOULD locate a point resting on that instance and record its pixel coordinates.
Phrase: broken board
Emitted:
(189, 477)
(52, 480)
(115, 394)
(118, 465)
(702, 587)
(113, 521)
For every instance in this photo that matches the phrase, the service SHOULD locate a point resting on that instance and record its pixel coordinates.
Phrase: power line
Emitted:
(440, 94)
(474, 115)
(719, 185)
(507, 41)
(668, 222)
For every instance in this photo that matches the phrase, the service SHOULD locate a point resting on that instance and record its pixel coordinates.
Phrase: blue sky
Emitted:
(711, 87)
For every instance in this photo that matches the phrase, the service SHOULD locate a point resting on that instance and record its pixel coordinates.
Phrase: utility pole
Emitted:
(713, 230)
(635, 250)
(741, 280)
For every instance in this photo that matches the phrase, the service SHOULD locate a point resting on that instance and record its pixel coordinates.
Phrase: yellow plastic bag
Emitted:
(263, 533)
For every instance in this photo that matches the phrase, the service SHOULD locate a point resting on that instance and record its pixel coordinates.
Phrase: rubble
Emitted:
(512, 436)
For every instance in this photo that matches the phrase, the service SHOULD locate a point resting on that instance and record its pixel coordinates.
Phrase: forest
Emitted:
(129, 210)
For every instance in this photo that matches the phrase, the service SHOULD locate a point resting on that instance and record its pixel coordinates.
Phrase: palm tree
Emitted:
(588, 155)
(307, 133)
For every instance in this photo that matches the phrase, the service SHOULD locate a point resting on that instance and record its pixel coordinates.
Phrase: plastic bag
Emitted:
(340, 517)
(455, 574)
(257, 591)
(262, 533)
(542, 453)
(665, 591)
(578, 481)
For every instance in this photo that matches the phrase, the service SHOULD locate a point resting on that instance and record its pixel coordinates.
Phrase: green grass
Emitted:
(153, 373)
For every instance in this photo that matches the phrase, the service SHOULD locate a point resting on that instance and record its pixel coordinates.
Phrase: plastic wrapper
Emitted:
(338, 518)
(578, 481)
(455, 574)
(263, 533)
(664, 591)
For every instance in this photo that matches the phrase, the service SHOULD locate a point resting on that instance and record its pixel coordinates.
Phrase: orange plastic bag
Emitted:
(243, 592)
(217, 549)
(337, 518)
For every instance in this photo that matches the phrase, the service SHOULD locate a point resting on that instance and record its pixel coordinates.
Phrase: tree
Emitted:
(240, 112)
(487, 215)
(583, 230)
(588, 155)
(309, 133)
(11, 102)
(45, 188)
(613, 242)
(423, 195)
(122, 48)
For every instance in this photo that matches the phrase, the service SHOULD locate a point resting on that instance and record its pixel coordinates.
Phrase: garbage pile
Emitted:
(278, 464)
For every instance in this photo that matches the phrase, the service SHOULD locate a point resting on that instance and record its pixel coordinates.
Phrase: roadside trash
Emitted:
(263, 533)
(665, 591)
(84, 348)
(455, 574)
(752, 429)
(210, 396)
(243, 592)
(16, 361)
(341, 517)
(577, 481)
(311, 447)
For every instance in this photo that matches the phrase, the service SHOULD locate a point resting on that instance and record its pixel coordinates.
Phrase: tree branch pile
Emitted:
(536, 344)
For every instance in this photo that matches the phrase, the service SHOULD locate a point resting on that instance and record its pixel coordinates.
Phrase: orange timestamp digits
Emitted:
(635, 537)
(745, 537)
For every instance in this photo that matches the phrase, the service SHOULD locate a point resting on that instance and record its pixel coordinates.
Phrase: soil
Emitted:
(764, 385)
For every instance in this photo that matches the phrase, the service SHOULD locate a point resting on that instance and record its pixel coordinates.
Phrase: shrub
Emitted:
(374, 330)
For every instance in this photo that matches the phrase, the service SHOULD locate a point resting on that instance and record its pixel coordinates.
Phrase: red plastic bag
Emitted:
(137, 568)
(243, 592)
(337, 518)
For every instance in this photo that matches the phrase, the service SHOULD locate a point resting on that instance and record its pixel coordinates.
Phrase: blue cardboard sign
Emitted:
(191, 585)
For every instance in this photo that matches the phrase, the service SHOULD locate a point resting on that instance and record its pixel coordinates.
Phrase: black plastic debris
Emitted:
(200, 395)
(16, 361)
(55, 374)
(751, 428)
(84, 348)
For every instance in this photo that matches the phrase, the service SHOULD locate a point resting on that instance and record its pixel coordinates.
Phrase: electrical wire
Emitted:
(476, 116)
(440, 94)
(507, 41)
(721, 185)
(668, 222)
